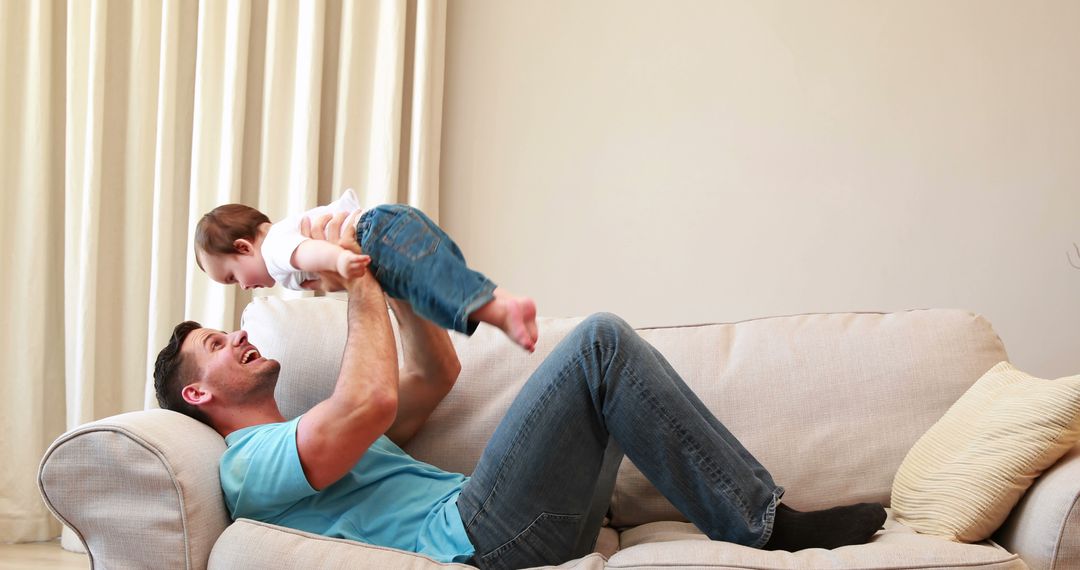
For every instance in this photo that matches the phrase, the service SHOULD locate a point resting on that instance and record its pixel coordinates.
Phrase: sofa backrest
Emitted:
(829, 403)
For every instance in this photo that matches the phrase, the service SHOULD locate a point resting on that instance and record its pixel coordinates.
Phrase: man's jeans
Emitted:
(414, 260)
(542, 487)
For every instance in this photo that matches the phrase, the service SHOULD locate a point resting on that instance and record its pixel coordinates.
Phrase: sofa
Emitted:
(830, 403)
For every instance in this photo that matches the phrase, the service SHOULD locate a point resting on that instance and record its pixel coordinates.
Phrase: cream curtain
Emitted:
(122, 122)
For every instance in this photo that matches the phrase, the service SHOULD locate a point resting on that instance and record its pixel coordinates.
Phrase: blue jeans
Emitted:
(544, 482)
(414, 260)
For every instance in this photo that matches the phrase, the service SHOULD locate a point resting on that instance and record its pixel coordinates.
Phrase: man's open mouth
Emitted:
(250, 355)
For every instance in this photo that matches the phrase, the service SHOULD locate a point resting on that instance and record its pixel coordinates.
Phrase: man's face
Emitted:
(229, 368)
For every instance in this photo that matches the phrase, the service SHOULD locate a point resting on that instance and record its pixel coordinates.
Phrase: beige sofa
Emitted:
(830, 403)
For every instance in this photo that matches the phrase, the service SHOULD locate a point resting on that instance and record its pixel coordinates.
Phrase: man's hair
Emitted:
(172, 373)
(220, 227)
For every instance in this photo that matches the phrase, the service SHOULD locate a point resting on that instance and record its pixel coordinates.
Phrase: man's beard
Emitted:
(260, 386)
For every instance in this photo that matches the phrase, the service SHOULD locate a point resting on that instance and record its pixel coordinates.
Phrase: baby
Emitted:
(413, 260)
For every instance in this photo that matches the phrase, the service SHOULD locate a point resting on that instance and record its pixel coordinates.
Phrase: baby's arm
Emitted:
(321, 256)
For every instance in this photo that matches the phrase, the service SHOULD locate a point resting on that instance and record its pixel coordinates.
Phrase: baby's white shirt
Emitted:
(283, 237)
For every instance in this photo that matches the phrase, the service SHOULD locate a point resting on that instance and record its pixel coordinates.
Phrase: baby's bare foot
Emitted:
(516, 316)
(520, 322)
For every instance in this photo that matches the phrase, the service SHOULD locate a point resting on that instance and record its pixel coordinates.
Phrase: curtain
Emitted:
(121, 123)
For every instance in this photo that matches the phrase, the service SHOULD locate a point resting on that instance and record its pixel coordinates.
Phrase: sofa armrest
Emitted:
(140, 490)
(1044, 528)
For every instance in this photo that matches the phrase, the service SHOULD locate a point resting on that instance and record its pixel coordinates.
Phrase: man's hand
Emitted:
(341, 229)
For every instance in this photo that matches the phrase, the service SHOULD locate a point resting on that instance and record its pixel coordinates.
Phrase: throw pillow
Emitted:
(965, 474)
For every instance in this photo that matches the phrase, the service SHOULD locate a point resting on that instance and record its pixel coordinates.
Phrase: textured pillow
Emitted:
(965, 474)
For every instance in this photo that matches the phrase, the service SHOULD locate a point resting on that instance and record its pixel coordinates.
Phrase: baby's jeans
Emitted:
(414, 260)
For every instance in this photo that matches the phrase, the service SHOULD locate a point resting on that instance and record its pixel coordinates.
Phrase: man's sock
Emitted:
(832, 528)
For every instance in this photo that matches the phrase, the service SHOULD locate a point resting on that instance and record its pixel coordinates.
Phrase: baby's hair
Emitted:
(220, 227)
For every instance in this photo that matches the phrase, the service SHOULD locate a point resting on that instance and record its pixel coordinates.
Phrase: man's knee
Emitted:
(606, 326)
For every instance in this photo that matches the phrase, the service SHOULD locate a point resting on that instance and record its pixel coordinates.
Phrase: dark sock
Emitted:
(832, 528)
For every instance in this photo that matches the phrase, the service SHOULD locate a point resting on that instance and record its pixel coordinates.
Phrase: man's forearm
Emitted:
(430, 369)
(369, 362)
(427, 348)
(334, 434)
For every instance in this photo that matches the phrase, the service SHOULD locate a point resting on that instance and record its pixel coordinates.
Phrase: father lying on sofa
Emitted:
(543, 484)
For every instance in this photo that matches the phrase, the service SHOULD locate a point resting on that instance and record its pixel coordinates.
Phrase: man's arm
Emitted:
(429, 371)
(430, 364)
(334, 434)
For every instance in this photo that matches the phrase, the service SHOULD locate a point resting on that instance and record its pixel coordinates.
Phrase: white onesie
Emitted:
(283, 237)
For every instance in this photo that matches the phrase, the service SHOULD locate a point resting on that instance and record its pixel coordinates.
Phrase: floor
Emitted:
(40, 555)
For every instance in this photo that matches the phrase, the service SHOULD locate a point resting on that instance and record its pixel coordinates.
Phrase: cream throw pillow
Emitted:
(965, 474)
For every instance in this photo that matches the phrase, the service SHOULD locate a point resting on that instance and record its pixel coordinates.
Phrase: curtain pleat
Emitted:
(172, 175)
(32, 229)
(221, 65)
(426, 105)
(85, 71)
(122, 122)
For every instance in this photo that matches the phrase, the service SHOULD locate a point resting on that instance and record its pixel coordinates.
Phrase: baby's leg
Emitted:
(415, 260)
(516, 316)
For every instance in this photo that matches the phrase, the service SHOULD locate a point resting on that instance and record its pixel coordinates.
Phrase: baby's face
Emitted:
(245, 269)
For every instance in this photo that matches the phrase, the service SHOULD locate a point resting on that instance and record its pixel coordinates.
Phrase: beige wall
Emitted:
(680, 162)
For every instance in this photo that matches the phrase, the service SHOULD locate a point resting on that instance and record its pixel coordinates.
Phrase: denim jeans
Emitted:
(414, 260)
(544, 482)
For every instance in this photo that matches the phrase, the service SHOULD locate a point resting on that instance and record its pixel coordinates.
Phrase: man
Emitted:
(541, 489)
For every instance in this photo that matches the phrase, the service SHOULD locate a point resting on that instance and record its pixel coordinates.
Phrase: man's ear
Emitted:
(195, 395)
(243, 247)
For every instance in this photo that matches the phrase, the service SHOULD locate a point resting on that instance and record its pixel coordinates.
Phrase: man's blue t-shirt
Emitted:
(387, 499)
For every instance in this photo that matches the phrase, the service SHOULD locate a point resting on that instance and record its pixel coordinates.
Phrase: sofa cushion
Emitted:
(963, 477)
(673, 544)
(251, 544)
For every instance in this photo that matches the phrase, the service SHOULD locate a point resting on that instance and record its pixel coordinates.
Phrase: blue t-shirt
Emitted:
(387, 499)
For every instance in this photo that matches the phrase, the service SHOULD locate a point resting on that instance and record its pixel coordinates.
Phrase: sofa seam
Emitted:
(808, 314)
(156, 453)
